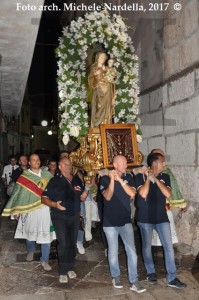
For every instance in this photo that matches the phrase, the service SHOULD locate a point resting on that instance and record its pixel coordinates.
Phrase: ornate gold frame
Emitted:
(112, 135)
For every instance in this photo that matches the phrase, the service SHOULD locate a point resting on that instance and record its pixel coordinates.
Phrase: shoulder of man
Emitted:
(165, 178)
(46, 174)
(7, 167)
(104, 182)
(129, 176)
(139, 180)
(55, 179)
(129, 179)
(25, 173)
(18, 169)
(53, 184)
(105, 178)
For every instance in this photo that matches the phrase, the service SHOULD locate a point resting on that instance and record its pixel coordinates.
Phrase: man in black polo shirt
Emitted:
(63, 194)
(118, 189)
(153, 188)
(23, 165)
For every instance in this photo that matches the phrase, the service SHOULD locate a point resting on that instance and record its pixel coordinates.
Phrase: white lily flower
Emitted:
(61, 94)
(65, 139)
(74, 131)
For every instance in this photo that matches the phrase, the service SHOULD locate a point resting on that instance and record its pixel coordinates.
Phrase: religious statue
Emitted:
(103, 90)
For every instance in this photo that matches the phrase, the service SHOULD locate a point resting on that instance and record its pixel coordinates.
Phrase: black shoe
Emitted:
(152, 278)
(176, 283)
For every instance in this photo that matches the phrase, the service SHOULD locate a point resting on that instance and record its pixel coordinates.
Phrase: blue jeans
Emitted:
(164, 232)
(80, 236)
(127, 235)
(82, 210)
(45, 250)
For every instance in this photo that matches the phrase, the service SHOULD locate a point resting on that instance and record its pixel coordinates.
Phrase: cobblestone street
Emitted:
(27, 280)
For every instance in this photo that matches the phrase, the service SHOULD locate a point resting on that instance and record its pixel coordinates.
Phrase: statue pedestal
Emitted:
(89, 155)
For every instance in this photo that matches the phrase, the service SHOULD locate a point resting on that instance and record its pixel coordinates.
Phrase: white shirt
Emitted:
(7, 172)
(38, 174)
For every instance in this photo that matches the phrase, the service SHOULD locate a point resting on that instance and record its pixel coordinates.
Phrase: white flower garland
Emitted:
(110, 31)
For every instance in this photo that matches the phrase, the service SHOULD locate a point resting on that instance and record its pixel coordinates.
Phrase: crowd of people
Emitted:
(49, 202)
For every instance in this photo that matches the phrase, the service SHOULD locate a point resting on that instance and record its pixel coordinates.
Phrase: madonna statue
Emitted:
(102, 92)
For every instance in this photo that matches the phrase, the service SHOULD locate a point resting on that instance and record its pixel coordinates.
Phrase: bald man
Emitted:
(118, 190)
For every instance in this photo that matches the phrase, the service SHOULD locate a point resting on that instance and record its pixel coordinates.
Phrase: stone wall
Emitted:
(181, 37)
(170, 121)
(170, 111)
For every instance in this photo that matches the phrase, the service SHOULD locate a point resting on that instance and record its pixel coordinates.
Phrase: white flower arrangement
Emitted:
(110, 31)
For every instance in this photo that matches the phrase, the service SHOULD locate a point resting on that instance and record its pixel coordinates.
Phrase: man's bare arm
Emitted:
(45, 200)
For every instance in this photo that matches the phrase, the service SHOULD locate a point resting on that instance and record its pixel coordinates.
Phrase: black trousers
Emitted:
(66, 229)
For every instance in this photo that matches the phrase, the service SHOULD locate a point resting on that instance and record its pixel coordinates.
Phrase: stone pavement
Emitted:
(21, 280)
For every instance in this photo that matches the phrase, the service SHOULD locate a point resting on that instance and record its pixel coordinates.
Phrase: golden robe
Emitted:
(102, 97)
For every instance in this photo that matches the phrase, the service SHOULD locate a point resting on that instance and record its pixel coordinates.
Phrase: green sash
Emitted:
(27, 193)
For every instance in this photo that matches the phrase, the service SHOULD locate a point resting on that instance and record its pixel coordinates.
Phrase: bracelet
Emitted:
(87, 188)
(123, 183)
